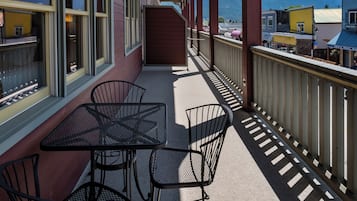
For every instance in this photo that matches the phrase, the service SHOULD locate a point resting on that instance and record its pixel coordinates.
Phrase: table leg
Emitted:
(92, 172)
(135, 171)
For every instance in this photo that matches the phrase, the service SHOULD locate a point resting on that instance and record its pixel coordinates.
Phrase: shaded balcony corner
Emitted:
(255, 163)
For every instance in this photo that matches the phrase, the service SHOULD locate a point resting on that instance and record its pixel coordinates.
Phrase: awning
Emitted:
(289, 38)
(345, 40)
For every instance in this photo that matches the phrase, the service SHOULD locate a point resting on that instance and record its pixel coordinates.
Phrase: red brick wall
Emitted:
(59, 171)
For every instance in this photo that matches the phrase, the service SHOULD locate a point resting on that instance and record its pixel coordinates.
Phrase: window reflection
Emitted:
(45, 2)
(99, 38)
(73, 43)
(22, 65)
(101, 6)
(76, 4)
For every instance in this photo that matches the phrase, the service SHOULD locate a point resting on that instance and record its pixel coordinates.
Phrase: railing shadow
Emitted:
(286, 173)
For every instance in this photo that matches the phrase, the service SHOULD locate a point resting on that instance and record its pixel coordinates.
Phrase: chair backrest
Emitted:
(117, 91)
(19, 178)
(207, 129)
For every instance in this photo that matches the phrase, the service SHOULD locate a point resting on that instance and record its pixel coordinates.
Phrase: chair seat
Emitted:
(102, 193)
(173, 168)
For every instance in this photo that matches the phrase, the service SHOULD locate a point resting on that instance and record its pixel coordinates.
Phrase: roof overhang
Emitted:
(344, 40)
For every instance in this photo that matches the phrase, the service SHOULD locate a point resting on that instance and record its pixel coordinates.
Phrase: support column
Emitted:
(184, 9)
(199, 24)
(342, 62)
(199, 15)
(213, 27)
(251, 37)
(192, 20)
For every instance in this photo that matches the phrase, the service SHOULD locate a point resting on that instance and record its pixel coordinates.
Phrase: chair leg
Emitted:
(158, 194)
(151, 193)
(205, 196)
(125, 182)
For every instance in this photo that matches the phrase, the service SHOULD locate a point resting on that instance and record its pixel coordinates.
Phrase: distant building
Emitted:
(273, 21)
(327, 25)
(302, 30)
(346, 41)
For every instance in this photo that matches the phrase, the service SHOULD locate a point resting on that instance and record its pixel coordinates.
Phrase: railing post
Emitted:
(252, 25)
(351, 139)
(213, 27)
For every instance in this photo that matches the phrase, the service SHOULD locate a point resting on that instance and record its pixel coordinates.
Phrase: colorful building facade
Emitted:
(345, 42)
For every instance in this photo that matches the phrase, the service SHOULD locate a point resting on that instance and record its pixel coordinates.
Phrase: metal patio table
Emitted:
(110, 126)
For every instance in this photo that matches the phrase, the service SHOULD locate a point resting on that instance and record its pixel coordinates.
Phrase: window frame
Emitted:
(132, 25)
(85, 69)
(354, 12)
(10, 112)
(298, 27)
(270, 19)
(264, 22)
(104, 17)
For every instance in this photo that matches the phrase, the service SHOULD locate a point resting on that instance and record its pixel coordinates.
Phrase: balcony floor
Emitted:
(254, 164)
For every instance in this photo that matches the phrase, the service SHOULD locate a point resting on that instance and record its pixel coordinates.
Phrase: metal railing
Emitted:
(228, 58)
(204, 46)
(311, 103)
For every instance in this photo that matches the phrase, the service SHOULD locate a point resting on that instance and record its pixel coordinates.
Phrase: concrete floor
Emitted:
(254, 165)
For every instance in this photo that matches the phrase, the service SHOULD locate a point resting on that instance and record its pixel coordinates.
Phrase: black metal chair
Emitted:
(102, 193)
(19, 178)
(195, 166)
(115, 91)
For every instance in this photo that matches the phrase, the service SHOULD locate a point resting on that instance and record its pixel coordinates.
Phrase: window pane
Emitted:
(73, 43)
(45, 2)
(76, 4)
(353, 17)
(101, 6)
(99, 38)
(22, 59)
(127, 8)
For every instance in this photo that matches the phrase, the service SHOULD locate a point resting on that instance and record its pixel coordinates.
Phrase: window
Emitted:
(101, 26)
(270, 21)
(76, 4)
(264, 22)
(18, 31)
(352, 17)
(132, 24)
(76, 17)
(300, 27)
(23, 65)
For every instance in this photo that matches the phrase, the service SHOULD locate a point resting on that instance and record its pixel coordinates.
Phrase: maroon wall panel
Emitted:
(59, 171)
(165, 41)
